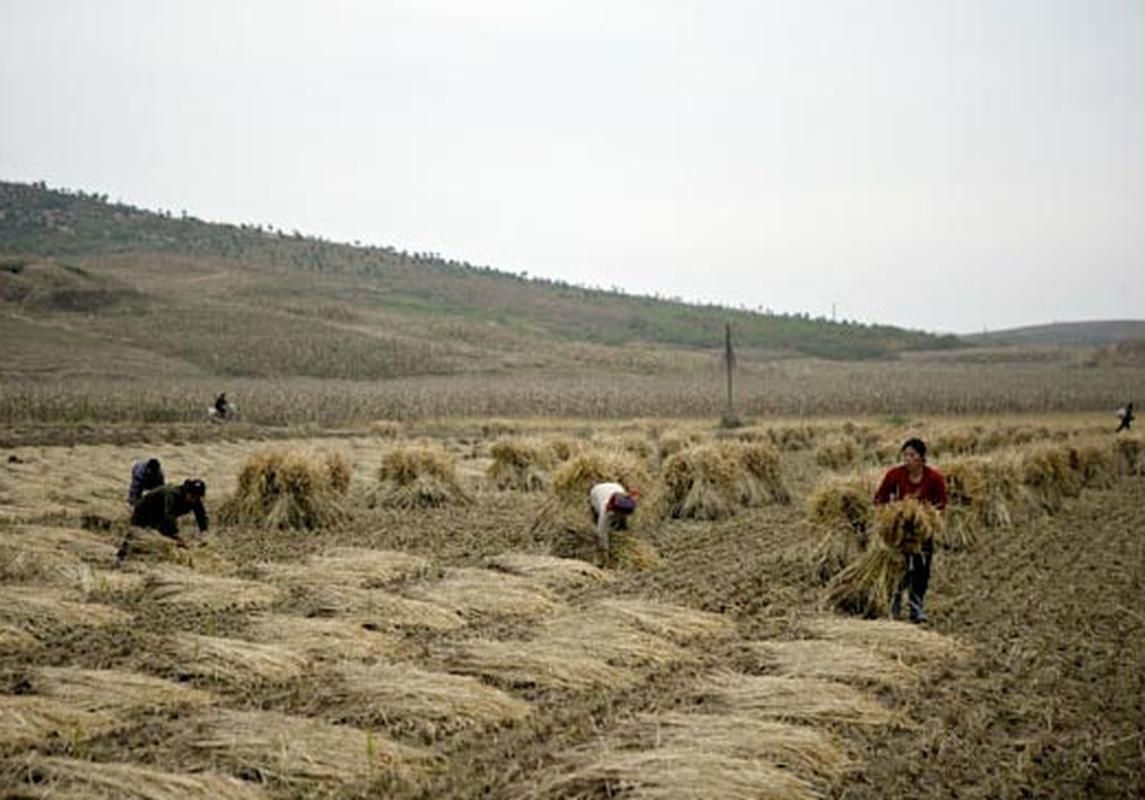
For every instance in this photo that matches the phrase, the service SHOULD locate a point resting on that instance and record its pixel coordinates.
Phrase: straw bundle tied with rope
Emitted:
(521, 464)
(298, 749)
(836, 661)
(867, 585)
(981, 493)
(534, 663)
(565, 518)
(76, 779)
(435, 702)
(234, 661)
(554, 572)
(1048, 477)
(418, 476)
(802, 699)
(278, 489)
(1129, 455)
(1095, 464)
(172, 585)
(713, 481)
(841, 512)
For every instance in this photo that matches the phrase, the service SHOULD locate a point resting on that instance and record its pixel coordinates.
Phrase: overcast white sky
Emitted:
(948, 165)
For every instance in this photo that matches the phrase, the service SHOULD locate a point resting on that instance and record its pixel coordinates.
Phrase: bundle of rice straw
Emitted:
(565, 519)
(1095, 464)
(980, 494)
(841, 511)
(837, 453)
(152, 547)
(792, 437)
(418, 476)
(77, 779)
(867, 586)
(713, 481)
(520, 464)
(1049, 477)
(1129, 455)
(280, 489)
(298, 748)
(381, 610)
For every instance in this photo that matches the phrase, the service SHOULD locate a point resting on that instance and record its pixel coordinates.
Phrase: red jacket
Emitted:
(897, 485)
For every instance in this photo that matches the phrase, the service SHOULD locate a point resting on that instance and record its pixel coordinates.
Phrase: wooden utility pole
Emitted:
(730, 418)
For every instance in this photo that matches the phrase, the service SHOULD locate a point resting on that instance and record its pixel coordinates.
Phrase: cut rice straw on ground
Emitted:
(554, 572)
(898, 640)
(39, 609)
(800, 699)
(107, 690)
(28, 720)
(484, 591)
(324, 638)
(616, 641)
(678, 623)
(816, 658)
(75, 779)
(347, 566)
(382, 610)
(535, 663)
(672, 772)
(14, 639)
(438, 701)
(170, 585)
(298, 748)
(235, 661)
(811, 753)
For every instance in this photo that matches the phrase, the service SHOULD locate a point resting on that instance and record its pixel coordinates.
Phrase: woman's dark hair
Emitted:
(915, 444)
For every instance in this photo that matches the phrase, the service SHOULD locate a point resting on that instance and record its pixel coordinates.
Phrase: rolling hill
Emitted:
(81, 274)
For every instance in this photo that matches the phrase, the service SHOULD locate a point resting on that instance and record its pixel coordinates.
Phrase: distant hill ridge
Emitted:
(246, 300)
(1064, 334)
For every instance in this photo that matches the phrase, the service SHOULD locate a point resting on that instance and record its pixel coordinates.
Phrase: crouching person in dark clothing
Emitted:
(160, 509)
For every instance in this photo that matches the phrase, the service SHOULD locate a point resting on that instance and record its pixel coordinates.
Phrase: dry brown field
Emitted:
(462, 651)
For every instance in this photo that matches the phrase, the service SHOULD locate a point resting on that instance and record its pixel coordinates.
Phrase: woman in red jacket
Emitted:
(913, 478)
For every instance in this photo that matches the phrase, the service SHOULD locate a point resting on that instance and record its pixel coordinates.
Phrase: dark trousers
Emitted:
(914, 583)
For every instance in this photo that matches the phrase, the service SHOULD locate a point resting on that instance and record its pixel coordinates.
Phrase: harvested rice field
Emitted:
(425, 618)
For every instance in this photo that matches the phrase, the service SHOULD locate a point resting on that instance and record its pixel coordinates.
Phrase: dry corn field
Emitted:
(416, 613)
